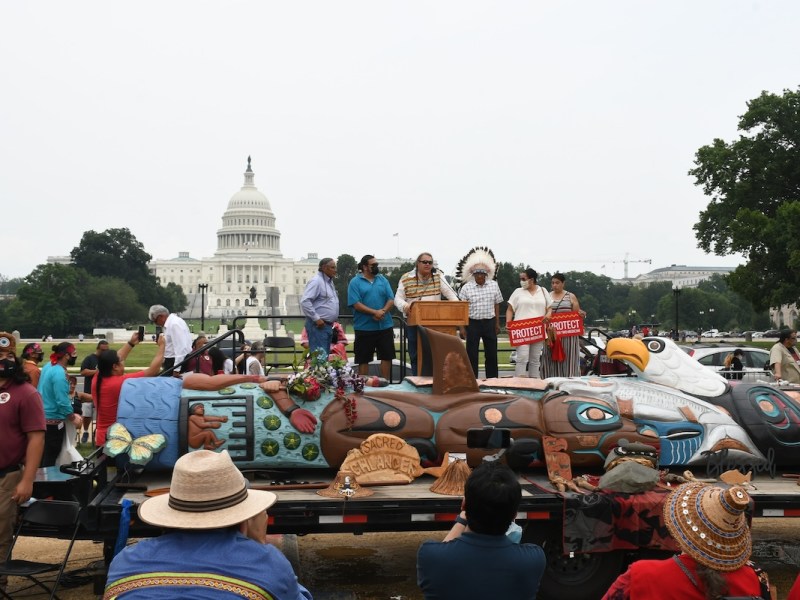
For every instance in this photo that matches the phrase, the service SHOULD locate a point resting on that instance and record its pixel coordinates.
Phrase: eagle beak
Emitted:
(632, 351)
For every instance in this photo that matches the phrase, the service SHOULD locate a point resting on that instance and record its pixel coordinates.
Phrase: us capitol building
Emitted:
(247, 274)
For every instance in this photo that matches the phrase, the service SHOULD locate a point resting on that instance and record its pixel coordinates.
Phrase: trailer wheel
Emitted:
(581, 577)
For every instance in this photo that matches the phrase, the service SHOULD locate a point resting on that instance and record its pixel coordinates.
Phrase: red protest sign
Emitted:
(567, 324)
(526, 331)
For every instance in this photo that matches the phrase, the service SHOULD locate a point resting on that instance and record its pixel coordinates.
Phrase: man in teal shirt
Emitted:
(54, 389)
(371, 298)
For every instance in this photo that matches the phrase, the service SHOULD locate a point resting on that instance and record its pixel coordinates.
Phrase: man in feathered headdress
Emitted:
(477, 270)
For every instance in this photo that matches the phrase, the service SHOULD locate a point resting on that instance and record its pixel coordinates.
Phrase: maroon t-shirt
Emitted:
(21, 411)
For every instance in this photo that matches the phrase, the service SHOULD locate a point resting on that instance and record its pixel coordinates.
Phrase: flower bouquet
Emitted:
(333, 375)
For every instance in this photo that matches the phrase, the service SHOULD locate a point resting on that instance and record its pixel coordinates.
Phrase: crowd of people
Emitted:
(216, 527)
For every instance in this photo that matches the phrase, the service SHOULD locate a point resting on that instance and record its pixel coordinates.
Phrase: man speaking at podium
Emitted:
(423, 284)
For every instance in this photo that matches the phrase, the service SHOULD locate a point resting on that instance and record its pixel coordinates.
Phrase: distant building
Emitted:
(681, 276)
(248, 262)
(784, 316)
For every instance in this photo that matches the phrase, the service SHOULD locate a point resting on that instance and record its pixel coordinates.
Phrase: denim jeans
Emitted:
(528, 359)
(318, 337)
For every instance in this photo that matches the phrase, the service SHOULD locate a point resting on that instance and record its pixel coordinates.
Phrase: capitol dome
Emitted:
(248, 224)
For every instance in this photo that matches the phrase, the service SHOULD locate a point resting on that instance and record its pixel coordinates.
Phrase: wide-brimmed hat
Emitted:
(207, 492)
(710, 525)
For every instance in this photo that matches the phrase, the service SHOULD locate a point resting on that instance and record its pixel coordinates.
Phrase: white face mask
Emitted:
(524, 283)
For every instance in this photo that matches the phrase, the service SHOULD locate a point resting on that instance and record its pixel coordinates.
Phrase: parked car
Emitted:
(710, 333)
(755, 360)
(772, 333)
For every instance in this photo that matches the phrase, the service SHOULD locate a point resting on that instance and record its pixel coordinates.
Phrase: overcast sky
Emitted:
(557, 133)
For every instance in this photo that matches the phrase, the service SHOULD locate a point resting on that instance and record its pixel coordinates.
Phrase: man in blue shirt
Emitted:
(320, 305)
(371, 298)
(215, 546)
(476, 559)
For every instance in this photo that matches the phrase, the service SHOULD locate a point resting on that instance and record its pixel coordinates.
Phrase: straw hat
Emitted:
(207, 492)
(710, 525)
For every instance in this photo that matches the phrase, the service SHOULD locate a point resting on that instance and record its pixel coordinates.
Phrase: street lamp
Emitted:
(676, 292)
(700, 329)
(711, 318)
(202, 287)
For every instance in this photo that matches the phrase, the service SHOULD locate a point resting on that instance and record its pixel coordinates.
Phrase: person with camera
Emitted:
(107, 384)
(476, 559)
(176, 332)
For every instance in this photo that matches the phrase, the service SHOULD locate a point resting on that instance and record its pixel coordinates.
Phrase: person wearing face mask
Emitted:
(529, 302)
(107, 384)
(21, 439)
(32, 355)
(370, 296)
(54, 389)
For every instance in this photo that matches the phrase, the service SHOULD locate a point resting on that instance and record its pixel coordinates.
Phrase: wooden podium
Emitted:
(445, 316)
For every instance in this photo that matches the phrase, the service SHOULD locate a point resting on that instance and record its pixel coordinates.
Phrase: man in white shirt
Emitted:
(178, 336)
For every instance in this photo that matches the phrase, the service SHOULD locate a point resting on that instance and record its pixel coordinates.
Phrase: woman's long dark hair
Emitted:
(20, 375)
(105, 368)
(217, 359)
(713, 582)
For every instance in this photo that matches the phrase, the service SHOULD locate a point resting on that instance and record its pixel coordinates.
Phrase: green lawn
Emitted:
(141, 356)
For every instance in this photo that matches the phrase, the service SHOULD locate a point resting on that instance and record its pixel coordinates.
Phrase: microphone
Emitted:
(433, 270)
(447, 283)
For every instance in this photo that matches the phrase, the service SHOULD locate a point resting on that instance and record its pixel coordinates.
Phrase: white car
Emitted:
(755, 361)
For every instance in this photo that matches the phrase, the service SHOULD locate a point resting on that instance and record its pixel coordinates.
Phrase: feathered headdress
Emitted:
(479, 257)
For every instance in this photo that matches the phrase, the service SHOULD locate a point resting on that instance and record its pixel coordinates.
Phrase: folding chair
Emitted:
(275, 350)
(43, 517)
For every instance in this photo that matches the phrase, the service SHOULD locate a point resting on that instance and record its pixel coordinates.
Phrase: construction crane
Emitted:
(626, 260)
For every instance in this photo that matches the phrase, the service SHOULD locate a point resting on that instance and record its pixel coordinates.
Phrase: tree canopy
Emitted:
(754, 186)
(346, 269)
(117, 253)
(107, 285)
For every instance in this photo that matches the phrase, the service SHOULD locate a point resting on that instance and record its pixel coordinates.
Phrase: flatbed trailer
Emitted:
(545, 516)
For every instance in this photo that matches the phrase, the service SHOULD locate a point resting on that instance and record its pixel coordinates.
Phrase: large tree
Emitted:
(112, 253)
(754, 186)
(51, 301)
(346, 269)
(117, 253)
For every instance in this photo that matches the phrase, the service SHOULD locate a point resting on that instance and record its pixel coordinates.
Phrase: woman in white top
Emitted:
(528, 302)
